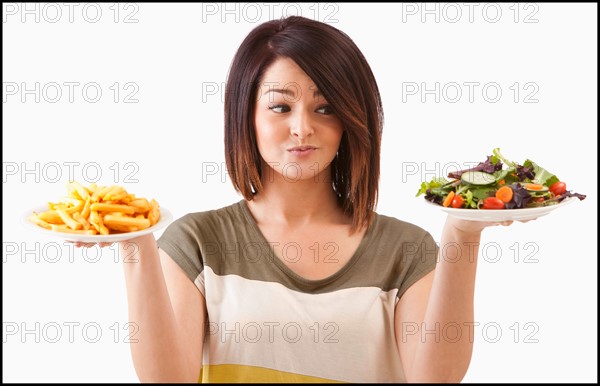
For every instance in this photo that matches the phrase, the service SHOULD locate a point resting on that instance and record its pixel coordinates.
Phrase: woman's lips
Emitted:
(302, 151)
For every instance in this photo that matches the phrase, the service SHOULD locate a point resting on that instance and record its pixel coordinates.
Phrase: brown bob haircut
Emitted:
(341, 72)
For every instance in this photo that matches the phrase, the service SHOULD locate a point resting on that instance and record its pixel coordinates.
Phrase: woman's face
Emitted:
(297, 133)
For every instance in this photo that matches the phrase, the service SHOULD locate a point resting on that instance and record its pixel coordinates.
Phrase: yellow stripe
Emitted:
(241, 373)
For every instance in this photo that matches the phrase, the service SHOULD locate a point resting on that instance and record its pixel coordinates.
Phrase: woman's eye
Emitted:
(279, 108)
(325, 110)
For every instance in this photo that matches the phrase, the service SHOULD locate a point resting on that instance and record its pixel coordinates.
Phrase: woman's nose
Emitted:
(301, 125)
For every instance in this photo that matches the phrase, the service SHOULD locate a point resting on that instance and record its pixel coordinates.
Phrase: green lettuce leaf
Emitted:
(542, 176)
(435, 183)
(499, 156)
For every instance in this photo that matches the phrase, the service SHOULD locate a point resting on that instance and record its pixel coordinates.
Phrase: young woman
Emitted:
(302, 280)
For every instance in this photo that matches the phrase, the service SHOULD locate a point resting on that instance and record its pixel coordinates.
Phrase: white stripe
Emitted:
(346, 335)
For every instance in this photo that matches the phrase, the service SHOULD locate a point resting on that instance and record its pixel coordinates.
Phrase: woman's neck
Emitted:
(294, 203)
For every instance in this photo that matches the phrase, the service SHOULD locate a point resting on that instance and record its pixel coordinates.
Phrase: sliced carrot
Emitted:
(534, 186)
(501, 182)
(448, 199)
(505, 194)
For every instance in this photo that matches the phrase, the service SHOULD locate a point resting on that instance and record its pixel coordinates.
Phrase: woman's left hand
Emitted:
(474, 227)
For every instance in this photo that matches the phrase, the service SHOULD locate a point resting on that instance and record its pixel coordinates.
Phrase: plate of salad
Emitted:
(499, 190)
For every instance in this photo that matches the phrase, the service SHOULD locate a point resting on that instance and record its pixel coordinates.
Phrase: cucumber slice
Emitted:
(478, 178)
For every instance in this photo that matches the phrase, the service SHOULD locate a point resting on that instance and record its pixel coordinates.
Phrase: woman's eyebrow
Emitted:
(285, 91)
(289, 91)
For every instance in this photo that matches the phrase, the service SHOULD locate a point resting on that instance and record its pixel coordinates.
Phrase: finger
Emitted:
(80, 244)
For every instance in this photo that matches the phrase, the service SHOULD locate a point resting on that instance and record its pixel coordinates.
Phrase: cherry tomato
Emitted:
(558, 188)
(458, 202)
(493, 203)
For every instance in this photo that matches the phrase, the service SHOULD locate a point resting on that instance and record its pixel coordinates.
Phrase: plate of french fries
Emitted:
(98, 214)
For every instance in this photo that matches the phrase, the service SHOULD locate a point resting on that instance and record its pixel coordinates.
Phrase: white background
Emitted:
(167, 144)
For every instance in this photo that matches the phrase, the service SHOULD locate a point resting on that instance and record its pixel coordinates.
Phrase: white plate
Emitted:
(165, 218)
(502, 214)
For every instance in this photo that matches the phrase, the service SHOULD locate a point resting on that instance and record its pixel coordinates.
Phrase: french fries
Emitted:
(98, 210)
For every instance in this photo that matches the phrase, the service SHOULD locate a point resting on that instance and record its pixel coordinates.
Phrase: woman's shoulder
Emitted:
(405, 240)
(230, 210)
(224, 216)
(391, 225)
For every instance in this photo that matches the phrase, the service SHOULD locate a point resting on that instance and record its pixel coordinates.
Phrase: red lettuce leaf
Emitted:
(488, 166)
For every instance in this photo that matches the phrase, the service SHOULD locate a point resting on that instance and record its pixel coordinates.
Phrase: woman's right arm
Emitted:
(168, 311)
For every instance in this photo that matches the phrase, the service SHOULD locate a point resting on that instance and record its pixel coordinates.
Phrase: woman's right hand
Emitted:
(139, 239)
(80, 244)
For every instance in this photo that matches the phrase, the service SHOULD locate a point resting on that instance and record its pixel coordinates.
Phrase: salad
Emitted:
(498, 183)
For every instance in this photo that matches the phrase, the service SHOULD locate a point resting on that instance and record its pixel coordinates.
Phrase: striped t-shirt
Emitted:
(265, 323)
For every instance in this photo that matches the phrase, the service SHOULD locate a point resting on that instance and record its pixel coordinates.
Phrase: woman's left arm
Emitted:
(434, 317)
